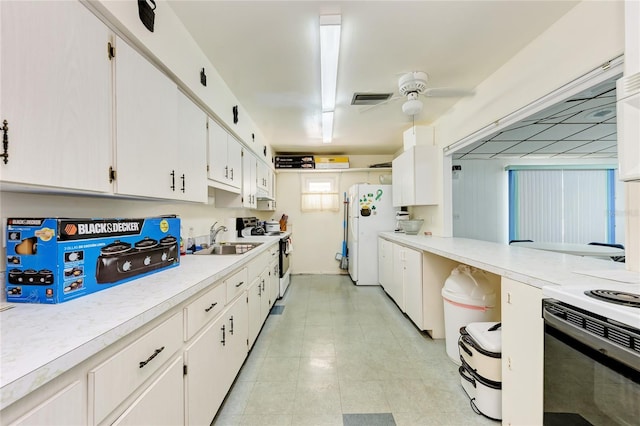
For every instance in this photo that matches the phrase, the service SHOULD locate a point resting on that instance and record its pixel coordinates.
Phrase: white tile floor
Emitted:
(340, 349)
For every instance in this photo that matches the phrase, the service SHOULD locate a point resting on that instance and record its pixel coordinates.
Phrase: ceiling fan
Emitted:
(413, 85)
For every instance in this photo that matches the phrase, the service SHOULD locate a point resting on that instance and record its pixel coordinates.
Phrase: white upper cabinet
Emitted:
(415, 178)
(264, 179)
(146, 123)
(225, 158)
(249, 181)
(56, 96)
(191, 145)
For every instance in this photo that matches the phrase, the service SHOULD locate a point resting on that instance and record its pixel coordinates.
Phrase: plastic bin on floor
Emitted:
(468, 297)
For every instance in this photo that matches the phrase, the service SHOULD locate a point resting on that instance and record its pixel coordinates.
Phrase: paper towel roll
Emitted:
(230, 235)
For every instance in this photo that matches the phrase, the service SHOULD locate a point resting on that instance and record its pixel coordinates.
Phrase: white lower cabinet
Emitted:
(161, 402)
(522, 354)
(407, 272)
(254, 302)
(114, 380)
(60, 409)
(212, 361)
(412, 282)
(385, 263)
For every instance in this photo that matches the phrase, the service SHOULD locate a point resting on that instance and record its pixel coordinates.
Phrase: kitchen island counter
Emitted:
(533, 267)
(39, 342)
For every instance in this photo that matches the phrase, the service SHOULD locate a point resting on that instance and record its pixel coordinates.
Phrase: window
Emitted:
(319, 193)
(562, 205)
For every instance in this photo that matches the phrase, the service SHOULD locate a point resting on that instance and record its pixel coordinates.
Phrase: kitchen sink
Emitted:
(228, 248)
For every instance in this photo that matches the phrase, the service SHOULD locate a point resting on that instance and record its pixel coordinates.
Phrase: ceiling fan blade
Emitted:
(447, 92)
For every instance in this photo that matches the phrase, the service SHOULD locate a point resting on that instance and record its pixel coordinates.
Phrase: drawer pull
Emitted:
(231, 328)
(153, 355)
(210, 307)
(223, 341)
(239, 284)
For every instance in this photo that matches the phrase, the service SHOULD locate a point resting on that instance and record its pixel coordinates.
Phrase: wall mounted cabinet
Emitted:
(56, 96)
(415, 177)
(225, 158)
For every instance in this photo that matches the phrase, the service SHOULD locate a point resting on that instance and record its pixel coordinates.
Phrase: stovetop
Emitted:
(574, 295)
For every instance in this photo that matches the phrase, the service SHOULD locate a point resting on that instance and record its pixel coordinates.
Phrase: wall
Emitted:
(567, 50)
(481, 199)
(317, 236)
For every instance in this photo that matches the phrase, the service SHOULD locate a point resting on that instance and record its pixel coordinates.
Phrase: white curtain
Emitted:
(319, 193)
(561, 205)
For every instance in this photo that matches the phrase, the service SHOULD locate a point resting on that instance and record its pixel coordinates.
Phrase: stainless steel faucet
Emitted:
(213, 232)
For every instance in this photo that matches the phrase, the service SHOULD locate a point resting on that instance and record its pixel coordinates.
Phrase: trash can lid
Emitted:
(469, 286)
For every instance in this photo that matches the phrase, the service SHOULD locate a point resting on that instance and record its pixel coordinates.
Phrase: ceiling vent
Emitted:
(369, 98)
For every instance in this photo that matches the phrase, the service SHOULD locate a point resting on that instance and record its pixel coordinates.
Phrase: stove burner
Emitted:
(617, 297)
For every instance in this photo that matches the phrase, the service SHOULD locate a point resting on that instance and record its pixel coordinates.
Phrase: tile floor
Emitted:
(339, 354)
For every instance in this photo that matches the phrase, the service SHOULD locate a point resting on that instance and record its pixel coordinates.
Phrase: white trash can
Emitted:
(468, 297)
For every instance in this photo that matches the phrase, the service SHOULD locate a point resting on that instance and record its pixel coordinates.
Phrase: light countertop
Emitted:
(534, 267)
(38, 342)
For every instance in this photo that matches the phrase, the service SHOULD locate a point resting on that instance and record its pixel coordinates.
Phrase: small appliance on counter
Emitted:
(400, 217)
(251, 226)
(52, 260)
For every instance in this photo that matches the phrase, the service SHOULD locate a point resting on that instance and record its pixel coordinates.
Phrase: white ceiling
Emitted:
(583, 126)
(268, 54)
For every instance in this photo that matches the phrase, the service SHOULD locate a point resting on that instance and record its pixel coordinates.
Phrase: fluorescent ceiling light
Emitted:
(327, 126)
(329, 52)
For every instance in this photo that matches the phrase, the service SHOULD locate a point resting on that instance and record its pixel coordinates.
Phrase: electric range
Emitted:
(613, 300)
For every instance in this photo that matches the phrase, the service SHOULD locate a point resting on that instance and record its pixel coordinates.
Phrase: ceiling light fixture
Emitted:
(329, 51)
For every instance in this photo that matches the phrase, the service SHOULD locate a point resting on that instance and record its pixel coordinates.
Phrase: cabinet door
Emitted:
(412, 279)
(385, 263)
(208, 377)
(402, 171)
(56, 95)
(162, 403)
(397, 286)
(62, 409)
(254, 294)
(217, 144)
(249, 166)
(191, 151)
(522, 364)
(238, 321)
(265, 301)
(234, 160)
(146, 122)
(263, 177)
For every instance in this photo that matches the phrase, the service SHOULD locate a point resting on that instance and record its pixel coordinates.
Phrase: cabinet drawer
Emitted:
(114, 380)
(204, 309)
(236, 284)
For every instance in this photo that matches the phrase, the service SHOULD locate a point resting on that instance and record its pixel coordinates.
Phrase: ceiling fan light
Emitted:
(412, 107)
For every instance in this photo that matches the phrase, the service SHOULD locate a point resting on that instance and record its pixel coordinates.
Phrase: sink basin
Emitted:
(229, 248)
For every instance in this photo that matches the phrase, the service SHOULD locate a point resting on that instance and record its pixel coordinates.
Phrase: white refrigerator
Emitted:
(370, 211)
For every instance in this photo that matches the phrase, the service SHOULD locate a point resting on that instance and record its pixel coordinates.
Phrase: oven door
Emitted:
(589, 379)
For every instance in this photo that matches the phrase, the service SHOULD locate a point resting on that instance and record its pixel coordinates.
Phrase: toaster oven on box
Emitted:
(53, 260)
